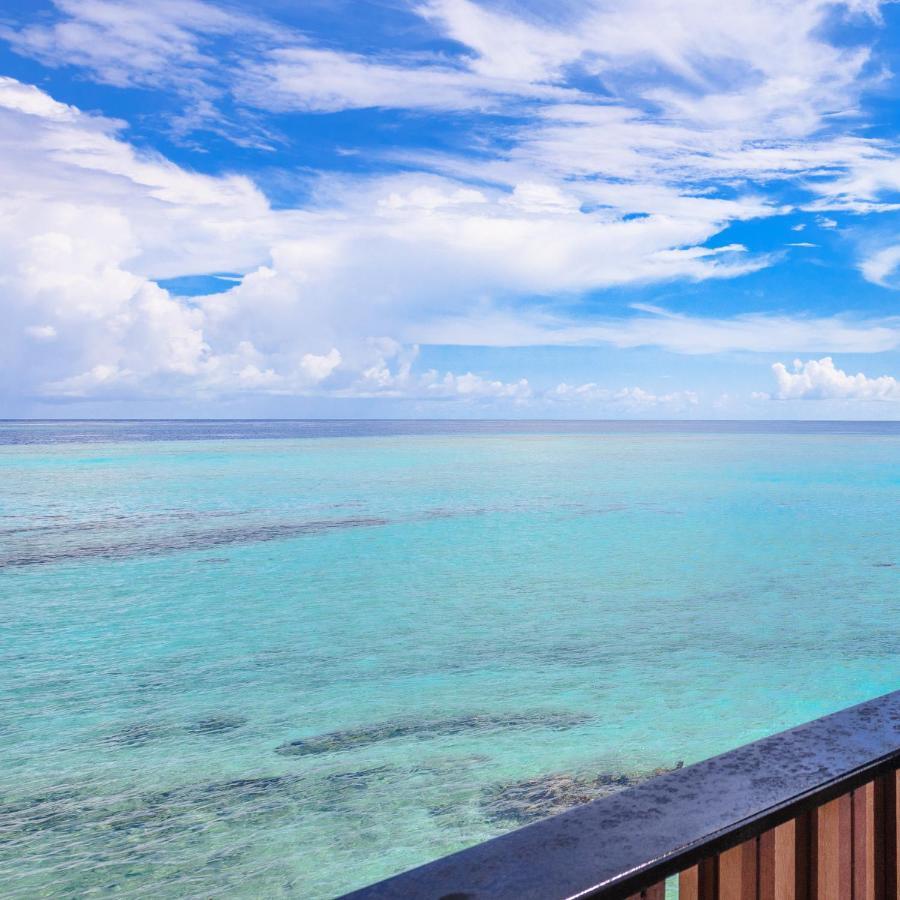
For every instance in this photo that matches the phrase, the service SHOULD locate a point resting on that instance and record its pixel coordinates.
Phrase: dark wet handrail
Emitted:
(619, 845)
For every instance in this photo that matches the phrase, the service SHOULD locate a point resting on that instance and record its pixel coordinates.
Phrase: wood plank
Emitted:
(767, 865)
(834, 849)
(868, 841)
(700, 881)
(784, 861)
(738, 872)
(891, 834)
(813, 848)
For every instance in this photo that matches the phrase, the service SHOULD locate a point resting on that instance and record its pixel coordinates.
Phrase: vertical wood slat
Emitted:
(768, 865)
(834, 849)
(738, 871)
(784, 861)
(868, 841)
(890, 786)
(699, 882)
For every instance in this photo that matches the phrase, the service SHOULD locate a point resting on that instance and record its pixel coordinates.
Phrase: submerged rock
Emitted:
(215, 724)
(135, 735)
(112, 822)
(358, 780)
(521, 802)
(238, 789)
(55, 809)
(366, 735)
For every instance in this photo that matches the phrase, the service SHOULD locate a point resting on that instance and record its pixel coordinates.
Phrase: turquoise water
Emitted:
(272, 663)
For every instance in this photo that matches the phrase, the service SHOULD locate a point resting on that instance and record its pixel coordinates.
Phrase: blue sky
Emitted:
(450, 208)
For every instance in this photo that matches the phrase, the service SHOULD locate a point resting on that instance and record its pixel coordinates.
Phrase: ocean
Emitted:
(285, 659)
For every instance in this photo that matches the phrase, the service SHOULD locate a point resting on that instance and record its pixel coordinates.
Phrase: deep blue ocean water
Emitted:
(283, 659)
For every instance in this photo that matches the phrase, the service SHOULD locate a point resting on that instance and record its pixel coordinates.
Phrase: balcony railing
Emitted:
(808, 813)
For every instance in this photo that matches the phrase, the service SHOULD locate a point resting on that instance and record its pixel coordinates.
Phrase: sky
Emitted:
(450, 209)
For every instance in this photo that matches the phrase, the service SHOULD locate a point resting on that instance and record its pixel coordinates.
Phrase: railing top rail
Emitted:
(618, 845)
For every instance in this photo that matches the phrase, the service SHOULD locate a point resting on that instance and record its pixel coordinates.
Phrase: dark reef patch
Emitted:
(185, 541)
(366, 735)
(521, 802)
(136, 735)
(113, 825)
(358, 780)
(215, 724)
(238, 789)
(57, 809)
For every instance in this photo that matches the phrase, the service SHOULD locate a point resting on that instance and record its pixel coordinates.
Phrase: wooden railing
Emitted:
(809, 813)
(837, 850)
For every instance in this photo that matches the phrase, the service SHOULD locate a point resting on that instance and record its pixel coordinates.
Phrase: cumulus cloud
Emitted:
(92, 224)
(87, 223)
(628, 399)
(390, 374)
(820, 379)
(641, 132)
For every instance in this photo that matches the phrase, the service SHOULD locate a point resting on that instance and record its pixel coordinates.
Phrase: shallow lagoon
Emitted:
(432, 617)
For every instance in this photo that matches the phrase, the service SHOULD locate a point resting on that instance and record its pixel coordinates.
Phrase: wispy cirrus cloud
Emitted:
(880, 265)
(679, 333)
(188, 49)
(156, 43)
(310, 79)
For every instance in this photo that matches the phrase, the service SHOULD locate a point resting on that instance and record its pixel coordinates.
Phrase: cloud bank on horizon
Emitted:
(450, 207)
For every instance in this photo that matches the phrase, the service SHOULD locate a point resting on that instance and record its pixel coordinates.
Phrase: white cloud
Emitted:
(695, 95)
(629, 186)
(687, 93)
(87, 222)
(170, 45)
(777, 41)
(628, 399)
(822, 380)
(679, 333)
(152, 43)
(41, 332)
(470, 385)
(308, 79)
(90, 222)
(880, 265)
(320, 367)
(390, 374)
